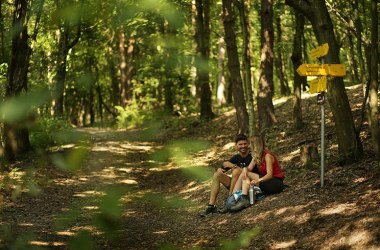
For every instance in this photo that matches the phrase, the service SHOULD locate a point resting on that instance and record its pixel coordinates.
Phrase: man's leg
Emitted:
(218, 177)
(235, 176)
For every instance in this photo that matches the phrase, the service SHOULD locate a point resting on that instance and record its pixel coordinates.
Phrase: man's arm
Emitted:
(228, 165)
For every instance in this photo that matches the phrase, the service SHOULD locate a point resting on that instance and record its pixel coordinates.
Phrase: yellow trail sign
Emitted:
(318, 85)
(320, 51)
(321, 70)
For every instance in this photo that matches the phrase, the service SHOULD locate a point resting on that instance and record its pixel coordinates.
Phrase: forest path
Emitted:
(117, 167)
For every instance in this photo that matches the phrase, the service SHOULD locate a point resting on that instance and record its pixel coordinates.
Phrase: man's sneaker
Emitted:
(242, 203)
(223, 210)
(209, 210)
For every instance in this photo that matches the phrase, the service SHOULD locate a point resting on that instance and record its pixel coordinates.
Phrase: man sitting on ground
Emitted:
(221, 176)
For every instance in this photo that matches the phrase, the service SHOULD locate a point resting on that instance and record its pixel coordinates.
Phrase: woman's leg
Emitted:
(273, 186)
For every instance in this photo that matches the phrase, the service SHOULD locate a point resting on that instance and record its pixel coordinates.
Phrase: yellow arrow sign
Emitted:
(318, 85)
(320, 51)
(322, 70)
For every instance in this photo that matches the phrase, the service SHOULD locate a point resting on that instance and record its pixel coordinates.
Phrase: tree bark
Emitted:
(15, 135)
(297, 61)
(234, 67)
(349, 145)
(374, 87)
(202, 37)
(169, 62)
(243, 7)
(284, 86)
(123, 67)
(222, 86)
(64, 46)
(266, 87)
(3, 56)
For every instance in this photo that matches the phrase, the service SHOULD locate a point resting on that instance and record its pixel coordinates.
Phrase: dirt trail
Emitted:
(115, 160)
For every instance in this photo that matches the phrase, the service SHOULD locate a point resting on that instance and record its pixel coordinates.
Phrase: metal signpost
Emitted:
(319, 85)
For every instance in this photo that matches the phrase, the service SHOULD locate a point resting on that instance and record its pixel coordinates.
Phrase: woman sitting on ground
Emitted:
(269, 177)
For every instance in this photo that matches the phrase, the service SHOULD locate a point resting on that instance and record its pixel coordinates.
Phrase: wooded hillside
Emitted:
(183, 73)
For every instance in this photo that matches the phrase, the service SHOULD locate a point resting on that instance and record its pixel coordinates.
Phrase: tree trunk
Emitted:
(266, 88)
(123, 67)
(298, 80)
(352, 60)
(169, 64)
(284, 86)
(115, 90)
(15, 136)
(2, 55)
(374, 86)
(244, 7)
(64, 46)
(221, 91)
(202, 36)
(234, 67)
(60, 78)
(350, 147)
(131, 51)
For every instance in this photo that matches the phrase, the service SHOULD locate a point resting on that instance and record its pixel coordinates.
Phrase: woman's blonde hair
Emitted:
(257, 147)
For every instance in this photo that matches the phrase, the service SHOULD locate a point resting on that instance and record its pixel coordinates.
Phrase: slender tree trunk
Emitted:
(352, 60)
(64, 46)
(266, 87)
(350, 147)
(244, 9)
(131, 51)
(297, 61)
(284, 86)
(193, 72)
(115, 89)
(374, 87)
(60, 78)
(234, 67)
(220, 96)
(202, 60)
(3, 57)
(169, 60)
(123, 67)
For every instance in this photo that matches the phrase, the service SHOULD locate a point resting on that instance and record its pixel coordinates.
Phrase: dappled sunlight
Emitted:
(26, 224)
(281, 100)
(284, 244)
(128, 181)
(342, 238)
(346, 209)
(290, 156)
(65, 182)
(190, 188)
(161, 232)
(295, 214)
(47, 244)
(223, 222)
(90, 193)
(65, 233)
(90, 208)
(229, 146)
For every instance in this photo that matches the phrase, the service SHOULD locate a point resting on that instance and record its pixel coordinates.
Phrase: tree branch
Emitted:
(302, 6)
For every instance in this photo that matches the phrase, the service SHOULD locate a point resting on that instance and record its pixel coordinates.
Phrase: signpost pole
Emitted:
(322, 143)
(323, 136)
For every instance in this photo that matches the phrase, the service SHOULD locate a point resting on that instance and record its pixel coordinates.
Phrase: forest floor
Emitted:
(162, 179)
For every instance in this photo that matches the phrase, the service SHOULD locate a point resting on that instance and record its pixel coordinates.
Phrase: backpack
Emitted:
(232, 199)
